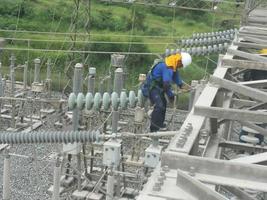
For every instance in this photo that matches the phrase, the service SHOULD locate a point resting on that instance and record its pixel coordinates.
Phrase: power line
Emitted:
(78, 51)
(86, 42)
(86, 34)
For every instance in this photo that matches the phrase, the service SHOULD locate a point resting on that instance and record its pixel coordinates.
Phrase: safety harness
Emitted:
(151, 82)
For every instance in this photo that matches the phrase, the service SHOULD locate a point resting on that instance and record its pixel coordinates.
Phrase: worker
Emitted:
(158, 83)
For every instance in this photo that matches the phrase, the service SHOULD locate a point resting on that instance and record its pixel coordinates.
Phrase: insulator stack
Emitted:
(106, 101)
(204, 50)
(49, 137)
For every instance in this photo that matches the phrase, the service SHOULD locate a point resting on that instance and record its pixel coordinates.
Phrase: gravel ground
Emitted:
(31, 177)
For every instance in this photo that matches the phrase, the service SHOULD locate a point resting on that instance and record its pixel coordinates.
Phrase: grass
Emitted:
(55, 15)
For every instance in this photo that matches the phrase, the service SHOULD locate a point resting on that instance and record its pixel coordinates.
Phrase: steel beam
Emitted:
(244, 64)
(230, 113)
(219, 172)
(240, 89)
(194, 187)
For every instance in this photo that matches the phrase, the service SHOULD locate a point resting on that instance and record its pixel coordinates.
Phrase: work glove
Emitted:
(185, 88)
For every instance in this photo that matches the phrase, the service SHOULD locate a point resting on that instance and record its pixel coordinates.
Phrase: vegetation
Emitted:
(127, 26)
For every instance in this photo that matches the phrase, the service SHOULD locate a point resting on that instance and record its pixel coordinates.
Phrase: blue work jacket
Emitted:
(162, 72)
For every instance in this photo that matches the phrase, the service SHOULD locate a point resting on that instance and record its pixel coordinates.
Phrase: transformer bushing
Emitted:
(91, 80)
(49, 137)
(118, 80)
(97, 101)
(117, 60)
(37, 63)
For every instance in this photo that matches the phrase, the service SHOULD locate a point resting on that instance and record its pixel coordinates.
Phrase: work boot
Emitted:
(163, 127)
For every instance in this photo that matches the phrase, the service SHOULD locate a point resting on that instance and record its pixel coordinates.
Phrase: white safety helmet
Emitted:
(186, 59)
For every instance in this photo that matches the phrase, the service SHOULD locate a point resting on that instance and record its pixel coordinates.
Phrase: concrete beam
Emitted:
(260, 158)
(244, 64)
(219, 172)
(255, 84)
(249, 45)
(243, 146)
(255, 40)
(258, 106)
(246, 55)
(243, 103)
(230, 113)
(194, 187)
(240, 89)
(207, 97)
(239, 193)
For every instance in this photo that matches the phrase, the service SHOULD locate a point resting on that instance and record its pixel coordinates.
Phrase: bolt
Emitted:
(156, 188)
(192, 171)
(161, 180)
(162, 174)
(165, 168)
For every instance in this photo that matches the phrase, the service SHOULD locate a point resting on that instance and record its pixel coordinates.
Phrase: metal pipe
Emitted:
(48, 69)
(49, 137)
(48, 77)
(6, 178)
(37, 63)
(12, 73)
(25, 75)
(56, 181)
(79, 168)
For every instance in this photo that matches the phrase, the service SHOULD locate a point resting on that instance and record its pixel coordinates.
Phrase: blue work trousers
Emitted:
(158, 115)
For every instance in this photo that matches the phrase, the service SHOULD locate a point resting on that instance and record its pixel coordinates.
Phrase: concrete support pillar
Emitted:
(37, 66)
(91, 80)
(218, 102)
(6, 178)
(77, 88)
(56, 181)
(110, 187)
(115, 119)
(75, 148)
(25, 75)
(117, 87)
(194, 84)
